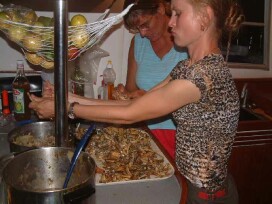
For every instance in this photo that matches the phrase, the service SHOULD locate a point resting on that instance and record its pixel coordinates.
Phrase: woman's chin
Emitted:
(178, 43)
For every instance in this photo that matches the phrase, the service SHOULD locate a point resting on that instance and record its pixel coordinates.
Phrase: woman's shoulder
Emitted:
(213, 62)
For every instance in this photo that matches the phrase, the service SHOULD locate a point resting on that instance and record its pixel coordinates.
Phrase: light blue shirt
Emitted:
(151, 70)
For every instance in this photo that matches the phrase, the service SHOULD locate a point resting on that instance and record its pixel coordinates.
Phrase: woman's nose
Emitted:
(171, 22)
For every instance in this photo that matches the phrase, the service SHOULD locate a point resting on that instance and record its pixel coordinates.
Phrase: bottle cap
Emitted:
(109, 65)
(20, 63)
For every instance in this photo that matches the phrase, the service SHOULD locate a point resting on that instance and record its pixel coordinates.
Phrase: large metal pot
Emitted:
(36, 177)
(4, 160)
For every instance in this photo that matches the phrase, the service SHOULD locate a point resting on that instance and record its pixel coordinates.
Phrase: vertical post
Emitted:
(60, 69)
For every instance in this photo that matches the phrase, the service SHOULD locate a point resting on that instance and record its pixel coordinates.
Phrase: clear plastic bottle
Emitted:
(77, 80)
(20, 88)
(109, 77)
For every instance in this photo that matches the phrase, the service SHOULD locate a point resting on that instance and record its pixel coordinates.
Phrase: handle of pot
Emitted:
(79, 194)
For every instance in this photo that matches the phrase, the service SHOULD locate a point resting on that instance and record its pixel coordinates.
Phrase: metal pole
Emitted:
(60, 69)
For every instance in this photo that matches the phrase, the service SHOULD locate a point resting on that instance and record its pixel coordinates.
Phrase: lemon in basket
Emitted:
(79, 38)
(15, 15)
(32, 42)
(78, 20)
(47, 64)
(4, 16)
(16, 33)
(37, 27)
(30, 17)
(46, 21)
(33, 58)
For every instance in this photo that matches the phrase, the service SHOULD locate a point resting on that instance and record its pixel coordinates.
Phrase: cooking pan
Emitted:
(36, 177)
(40, 131)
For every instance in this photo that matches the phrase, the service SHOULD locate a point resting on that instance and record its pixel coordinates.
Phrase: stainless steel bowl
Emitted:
(39, 130)
(37, 176)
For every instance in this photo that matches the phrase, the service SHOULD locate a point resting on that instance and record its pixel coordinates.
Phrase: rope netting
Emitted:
(35, 36)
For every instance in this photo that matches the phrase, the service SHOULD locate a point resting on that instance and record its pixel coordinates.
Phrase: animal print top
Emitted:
(206, 129)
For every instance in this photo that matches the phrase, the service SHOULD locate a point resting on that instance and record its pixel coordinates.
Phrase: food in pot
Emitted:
(30, 140)
(124, 154)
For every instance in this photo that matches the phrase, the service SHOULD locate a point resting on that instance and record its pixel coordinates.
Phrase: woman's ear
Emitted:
(209, 16)
(206, 16)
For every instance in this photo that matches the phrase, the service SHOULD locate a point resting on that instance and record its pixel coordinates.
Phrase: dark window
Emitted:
(250, 46)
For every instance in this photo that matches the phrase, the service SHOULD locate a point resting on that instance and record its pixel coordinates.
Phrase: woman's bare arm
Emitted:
(89, 101)
(156, 103)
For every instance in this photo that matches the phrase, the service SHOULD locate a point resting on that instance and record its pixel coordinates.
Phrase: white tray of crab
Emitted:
(127, 155)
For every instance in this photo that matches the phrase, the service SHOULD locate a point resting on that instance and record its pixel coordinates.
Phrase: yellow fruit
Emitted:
(32, 42)
(39, 24)
(33, 58)
(30, 17)
(47, 64)
(15, 16)
(46, 21)
(79, 38)
(37, 27)
(16, 33)
(78, 20)
(4, 16)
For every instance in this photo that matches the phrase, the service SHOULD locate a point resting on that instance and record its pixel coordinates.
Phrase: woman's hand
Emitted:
(44, 107)
(136, 94)
(48, 89)
(75, 98)
(120, 93)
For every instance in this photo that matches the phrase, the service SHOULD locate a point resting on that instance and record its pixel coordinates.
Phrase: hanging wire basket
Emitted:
(37, 41)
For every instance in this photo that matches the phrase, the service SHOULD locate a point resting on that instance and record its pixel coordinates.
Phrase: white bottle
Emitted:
(101, 91)
(109, 77)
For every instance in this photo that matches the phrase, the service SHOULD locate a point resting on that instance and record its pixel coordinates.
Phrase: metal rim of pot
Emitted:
(38, 129)
(73, 193)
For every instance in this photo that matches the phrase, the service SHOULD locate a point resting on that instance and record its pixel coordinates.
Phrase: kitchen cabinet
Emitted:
(251, 160)
(251, 165)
